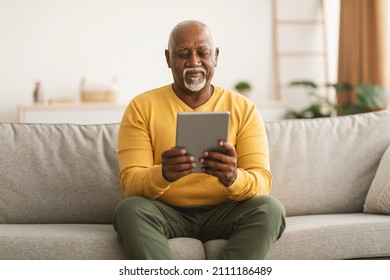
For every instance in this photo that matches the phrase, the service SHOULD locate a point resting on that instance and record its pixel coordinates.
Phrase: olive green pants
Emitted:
(251, 226)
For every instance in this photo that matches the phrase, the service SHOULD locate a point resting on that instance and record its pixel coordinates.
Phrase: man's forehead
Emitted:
(191, 46)
(200, 41)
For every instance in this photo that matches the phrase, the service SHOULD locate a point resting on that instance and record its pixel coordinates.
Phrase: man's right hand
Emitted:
(176, 164)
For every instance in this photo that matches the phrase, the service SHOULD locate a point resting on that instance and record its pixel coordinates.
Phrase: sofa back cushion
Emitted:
(62, 173)
(58, 173)
(326, 165)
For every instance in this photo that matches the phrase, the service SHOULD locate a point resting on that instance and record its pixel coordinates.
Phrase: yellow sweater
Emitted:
(148, 128)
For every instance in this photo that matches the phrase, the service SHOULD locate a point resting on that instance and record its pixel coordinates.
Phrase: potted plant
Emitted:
(369, 97)
(243, 87)
(319, 106)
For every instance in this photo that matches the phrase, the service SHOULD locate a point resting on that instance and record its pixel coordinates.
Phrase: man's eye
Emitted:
(203, 54)
(183, 55)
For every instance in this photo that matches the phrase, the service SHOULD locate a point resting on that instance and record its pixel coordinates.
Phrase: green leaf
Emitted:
(304, 83)
(371, 97)
(341, 86)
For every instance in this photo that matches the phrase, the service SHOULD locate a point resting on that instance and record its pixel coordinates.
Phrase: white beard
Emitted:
(196, 83)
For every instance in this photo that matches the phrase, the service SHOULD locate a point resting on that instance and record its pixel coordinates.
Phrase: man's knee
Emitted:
(270, 210)
(132, 209)
(268, 203)
(131, 204)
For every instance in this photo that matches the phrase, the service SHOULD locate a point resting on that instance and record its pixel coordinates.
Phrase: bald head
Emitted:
(189, 26)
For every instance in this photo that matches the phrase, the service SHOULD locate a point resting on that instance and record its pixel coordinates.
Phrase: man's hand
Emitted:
(222, 166)
(176, 164)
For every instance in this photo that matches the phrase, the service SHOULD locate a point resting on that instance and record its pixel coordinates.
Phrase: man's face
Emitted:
(192, 58)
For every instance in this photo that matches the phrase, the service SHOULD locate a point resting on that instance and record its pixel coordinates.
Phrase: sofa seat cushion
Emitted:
(332, 236)
(59, 241)
(76, 242)
(184, 248)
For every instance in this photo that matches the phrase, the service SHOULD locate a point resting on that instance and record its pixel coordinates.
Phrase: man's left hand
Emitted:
(222, 166)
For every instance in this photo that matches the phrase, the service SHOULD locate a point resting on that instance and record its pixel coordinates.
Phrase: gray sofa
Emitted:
(59, 188)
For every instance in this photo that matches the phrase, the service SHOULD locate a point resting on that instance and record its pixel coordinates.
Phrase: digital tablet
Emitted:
(201, 131)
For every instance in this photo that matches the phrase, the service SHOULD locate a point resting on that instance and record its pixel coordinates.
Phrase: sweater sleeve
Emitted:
(138, 174)
(253, 176)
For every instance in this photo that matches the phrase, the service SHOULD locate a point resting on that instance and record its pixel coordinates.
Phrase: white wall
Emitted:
(59, 41)
(309, 59)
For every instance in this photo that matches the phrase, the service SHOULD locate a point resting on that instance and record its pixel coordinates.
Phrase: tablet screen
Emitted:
(200, 131)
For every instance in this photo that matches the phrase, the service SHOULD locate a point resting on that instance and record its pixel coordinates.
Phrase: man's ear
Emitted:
(168, 58)
(216, 56)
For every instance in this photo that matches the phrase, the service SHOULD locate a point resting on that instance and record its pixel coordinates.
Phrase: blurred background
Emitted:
(118, 46)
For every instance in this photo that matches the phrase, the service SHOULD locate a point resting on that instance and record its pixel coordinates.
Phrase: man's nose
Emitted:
(193, 60)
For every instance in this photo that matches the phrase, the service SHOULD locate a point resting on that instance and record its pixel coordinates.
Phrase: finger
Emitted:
(212, 157)
(230, 151)
(173, 152)
(173, 172)
(213, 165)
(183, 166)
(179, 163)
(226, 178)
